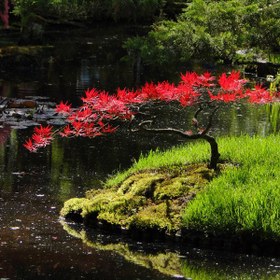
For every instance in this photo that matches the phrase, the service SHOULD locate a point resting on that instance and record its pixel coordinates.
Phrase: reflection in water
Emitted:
(84, 79)
(33, 244)
(179, 261)
(5, 89)
(5, 132)
(33, 187)
(168, 263)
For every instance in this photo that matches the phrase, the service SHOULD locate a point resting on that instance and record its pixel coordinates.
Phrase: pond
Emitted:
(34, 242)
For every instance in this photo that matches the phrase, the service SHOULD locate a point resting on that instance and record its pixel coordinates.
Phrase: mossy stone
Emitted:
(141, 184)
(156, 216)
(152, 199)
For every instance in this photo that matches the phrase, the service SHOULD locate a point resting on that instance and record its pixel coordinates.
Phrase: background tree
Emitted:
(213, 30)
(99, 10)
(101, 113)
(36, 15)
(4, 13)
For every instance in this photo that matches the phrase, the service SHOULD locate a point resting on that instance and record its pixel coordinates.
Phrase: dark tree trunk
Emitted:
(215, 155)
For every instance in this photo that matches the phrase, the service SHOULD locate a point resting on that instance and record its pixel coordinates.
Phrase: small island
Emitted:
(173, 194)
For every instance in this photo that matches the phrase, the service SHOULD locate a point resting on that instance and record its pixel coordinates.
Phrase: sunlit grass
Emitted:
(192, 153)
(245, 197)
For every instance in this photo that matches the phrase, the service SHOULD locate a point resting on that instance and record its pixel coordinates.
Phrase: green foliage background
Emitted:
(225, 31)
(213, 30)
(117, 10)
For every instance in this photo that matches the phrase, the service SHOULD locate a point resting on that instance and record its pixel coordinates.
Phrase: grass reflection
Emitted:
(179, 263)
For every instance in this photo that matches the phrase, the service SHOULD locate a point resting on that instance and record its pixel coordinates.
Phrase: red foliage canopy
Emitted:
(99, 108)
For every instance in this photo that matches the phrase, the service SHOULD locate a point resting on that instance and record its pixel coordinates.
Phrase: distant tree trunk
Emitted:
(4, 13)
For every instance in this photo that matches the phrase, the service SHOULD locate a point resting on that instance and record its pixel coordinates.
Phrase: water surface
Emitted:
(34, 244)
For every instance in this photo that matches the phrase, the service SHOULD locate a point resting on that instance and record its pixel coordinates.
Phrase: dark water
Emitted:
(34, 242)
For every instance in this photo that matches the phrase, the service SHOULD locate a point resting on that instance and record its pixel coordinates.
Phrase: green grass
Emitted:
(245, 197)
(194, 152)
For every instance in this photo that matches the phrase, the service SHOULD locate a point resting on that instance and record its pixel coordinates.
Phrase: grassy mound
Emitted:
(159, 191)
(150, 199)
(245, 198)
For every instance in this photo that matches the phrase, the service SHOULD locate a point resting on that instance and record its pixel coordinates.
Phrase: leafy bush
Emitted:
(213, 30)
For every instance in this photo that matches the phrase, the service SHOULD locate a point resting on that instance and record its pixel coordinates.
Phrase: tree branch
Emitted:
(215, 155)
(142, 126)
(209, 125)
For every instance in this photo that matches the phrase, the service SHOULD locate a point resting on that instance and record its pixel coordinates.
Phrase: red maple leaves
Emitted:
(260, 95)
(232, 82)
(63, 108)
(41, 137)
(99, 108)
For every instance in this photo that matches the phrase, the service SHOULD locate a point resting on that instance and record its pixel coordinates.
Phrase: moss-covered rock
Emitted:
(150, 199)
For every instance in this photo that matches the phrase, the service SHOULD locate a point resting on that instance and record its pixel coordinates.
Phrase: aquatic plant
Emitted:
(102, 113)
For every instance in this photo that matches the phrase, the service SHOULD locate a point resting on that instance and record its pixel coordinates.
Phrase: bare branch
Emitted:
(142, 126)
(195, 122)
(198, 111)
(209, 125)
(211, 140)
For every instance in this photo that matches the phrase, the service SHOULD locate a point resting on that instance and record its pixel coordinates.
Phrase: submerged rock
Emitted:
(149, 200)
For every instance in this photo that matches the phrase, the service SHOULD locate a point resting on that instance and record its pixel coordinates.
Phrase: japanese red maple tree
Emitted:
(102, 113)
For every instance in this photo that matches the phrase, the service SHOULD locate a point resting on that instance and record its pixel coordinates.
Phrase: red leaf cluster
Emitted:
(63, 108)
(99, 108)
(41, 137)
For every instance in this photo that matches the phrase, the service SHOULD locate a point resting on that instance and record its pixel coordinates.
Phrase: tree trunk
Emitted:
(4, 14)
(215, 155)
